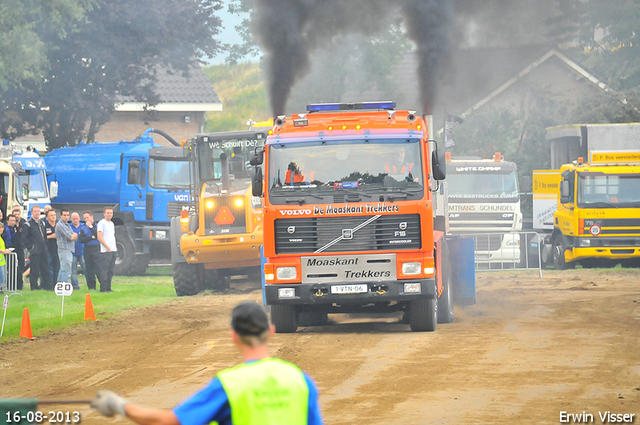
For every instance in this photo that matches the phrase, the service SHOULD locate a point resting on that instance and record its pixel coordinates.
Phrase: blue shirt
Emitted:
(79, 246)
(212, 404)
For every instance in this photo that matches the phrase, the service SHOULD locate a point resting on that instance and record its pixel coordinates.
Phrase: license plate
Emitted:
(349, 289)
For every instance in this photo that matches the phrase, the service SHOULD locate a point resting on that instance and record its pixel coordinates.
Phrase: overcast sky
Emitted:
(228, 34)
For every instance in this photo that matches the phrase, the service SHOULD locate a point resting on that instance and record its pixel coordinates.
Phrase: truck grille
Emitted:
(174, 208)
(232, 212)
(488, 242)
(387, 232)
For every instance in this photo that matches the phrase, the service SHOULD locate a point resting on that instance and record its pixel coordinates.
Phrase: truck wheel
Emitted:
(125, 257)
(445, 302)
(423, 315)
(558, 255)
(187, 279)
(284, 317)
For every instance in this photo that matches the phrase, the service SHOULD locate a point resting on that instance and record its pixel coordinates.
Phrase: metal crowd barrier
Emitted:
(10, 283)
(507, 251)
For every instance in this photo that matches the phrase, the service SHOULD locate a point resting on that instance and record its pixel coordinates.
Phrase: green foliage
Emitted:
(608, 107)
(113, 52)
(609, 32)
(45, 307)
(243, 93)
(25, 28)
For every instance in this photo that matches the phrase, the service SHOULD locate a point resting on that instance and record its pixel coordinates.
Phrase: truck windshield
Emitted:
(321, 167)
(165, 174)
(486, 185)
(598, 190)
(36, 183)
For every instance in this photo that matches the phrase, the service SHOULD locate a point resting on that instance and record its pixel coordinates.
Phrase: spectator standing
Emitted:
(11, 240)
(21, 230)
(65, 238)
(39, 254)
(3, 261)
(108, 249)
(52, 245)
(89, 237)
(78, 254)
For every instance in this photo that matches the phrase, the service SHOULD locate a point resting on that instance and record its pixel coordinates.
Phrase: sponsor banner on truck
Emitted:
(546, 185)
(348, 268)
(614, 157)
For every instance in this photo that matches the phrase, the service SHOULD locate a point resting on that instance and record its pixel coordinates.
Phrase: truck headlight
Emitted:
(413, 267)
(161, 234)
(286, 292)
(286, 273)
(584, 242)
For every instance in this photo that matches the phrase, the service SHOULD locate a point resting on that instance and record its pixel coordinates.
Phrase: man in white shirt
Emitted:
(108, 249)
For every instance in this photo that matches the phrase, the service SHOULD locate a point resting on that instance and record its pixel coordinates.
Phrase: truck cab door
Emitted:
(134, 187)
(564, 216)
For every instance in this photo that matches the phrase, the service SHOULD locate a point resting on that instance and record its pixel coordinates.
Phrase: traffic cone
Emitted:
(88, 308)
(25, 329)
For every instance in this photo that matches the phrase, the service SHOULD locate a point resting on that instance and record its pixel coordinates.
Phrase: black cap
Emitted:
(249, 318)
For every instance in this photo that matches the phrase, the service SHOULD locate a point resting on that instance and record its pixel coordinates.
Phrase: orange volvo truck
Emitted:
(348, 216)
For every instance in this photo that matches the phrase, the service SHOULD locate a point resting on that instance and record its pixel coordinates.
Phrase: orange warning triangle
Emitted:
(224, 216)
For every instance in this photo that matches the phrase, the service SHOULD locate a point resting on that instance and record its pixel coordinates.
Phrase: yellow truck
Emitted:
(590, 210)
(221, 234)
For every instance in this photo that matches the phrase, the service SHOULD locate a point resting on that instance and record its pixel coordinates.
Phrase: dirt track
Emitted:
(527, 350)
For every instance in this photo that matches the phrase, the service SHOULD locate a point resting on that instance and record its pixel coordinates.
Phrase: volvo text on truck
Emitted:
(349, 217)
(146, 184)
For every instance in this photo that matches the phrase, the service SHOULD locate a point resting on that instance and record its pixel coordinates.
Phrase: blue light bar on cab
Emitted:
(317, 107)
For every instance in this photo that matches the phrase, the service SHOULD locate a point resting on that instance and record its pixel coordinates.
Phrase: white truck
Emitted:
(484, 202)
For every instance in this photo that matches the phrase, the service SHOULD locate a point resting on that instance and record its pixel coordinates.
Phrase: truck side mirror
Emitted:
(53, 190)
(256, 182)
(258, 157)
(25, 192)
(565, 196)
(439, 164)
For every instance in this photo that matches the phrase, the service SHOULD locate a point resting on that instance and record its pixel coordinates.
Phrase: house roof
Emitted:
(475, 77)
(179, 93)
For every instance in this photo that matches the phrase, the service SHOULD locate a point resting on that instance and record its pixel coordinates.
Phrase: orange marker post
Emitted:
(88, 308)
(25, 329)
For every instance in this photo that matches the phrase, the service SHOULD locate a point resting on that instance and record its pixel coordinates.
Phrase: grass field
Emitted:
(45, 307)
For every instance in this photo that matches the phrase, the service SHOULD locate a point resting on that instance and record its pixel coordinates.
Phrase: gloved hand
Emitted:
(109, 403)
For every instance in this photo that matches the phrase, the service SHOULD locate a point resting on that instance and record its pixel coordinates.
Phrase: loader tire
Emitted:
(187, 279)
(285, 318)
(140, 265)
(423, 315)
(215, 280)
(445, 301)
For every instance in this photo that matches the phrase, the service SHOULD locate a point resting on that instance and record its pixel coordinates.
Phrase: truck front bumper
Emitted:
(604, 247)
(377, 292)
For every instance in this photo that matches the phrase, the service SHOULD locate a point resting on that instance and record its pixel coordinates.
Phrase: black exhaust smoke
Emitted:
(289, 31)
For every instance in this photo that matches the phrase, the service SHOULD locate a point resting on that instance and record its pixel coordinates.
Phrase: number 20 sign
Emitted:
(63, 288)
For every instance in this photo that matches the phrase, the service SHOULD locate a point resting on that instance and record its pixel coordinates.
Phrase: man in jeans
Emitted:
(108, 248)
(65, 237)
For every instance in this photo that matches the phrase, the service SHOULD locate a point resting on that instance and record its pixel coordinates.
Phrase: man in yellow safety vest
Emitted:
(261, 390)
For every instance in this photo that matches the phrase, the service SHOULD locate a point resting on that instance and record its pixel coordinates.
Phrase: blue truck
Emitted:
(146, 184)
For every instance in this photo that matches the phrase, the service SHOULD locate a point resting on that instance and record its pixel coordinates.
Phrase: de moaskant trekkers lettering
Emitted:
(346, 210)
